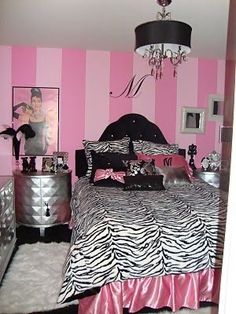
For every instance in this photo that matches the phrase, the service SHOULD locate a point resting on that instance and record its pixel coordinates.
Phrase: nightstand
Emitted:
(7, 222)
(42, 199)
(210, 177)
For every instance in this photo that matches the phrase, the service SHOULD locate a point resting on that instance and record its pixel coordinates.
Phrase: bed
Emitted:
(152, 243)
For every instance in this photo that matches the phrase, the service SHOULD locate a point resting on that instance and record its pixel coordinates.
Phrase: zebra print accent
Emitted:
(118, 146)
(123, 235)
(151, 148)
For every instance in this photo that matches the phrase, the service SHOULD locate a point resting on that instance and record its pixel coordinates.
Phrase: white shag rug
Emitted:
(34, 278)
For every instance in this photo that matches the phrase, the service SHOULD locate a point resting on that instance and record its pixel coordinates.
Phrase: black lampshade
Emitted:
(168, 32)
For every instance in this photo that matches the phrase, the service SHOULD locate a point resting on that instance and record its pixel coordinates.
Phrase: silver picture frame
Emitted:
(193, 120)
(215, 107)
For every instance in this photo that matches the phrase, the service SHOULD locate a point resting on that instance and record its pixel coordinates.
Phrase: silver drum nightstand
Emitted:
(210, 177)
(42, 199)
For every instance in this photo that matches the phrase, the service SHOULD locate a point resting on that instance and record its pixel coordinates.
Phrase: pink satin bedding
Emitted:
(174, 291)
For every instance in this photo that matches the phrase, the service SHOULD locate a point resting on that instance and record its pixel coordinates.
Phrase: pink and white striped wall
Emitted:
(85, 79)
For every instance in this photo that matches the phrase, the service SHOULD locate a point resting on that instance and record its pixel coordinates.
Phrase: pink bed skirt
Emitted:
(174, 291)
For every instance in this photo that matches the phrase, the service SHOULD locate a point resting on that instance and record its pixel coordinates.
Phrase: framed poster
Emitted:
(38, 107)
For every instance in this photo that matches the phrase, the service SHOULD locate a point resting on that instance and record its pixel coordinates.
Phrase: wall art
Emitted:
(193, 120)
(38, 107)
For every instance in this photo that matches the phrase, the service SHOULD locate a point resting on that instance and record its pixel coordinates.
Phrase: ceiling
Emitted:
(108, 24)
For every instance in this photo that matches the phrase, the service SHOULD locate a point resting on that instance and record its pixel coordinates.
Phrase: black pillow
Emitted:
(108, 160)
(140, 182)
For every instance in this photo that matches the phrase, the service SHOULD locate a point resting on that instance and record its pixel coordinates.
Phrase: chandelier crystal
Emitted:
(163, 39)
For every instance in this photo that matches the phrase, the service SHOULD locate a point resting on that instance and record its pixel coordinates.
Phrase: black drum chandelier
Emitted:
(163, 39)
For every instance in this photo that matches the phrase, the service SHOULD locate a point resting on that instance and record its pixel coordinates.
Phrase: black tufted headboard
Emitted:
(132, 125)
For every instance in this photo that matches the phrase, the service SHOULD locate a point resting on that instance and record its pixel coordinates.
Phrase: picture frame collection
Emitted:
(56, 163)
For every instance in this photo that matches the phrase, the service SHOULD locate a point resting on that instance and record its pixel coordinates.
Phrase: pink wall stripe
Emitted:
(221, 77)
(97, 93)
(5, 104)
(72, 101)
(144, 101)
(207, 84)
(121, 71)
(23, 69)
(166, 94)
(23, 66)
(48, 67)
(187, 85)
(48, 74)
(188, 79)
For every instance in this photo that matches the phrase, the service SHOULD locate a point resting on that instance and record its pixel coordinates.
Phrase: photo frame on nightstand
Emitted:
(60, 160)
(47, 164)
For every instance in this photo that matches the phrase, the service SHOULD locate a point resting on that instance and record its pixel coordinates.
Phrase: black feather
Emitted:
(25, 129)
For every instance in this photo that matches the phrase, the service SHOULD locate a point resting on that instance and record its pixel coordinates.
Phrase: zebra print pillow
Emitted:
(150, 148)
(118, 146)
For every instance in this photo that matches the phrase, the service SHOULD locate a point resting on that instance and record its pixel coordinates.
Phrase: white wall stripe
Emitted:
(5, 105)
(144, 102)
(97, 93)
(48, 67)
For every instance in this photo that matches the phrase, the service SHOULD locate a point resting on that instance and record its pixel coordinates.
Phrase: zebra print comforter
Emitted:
(121, 235)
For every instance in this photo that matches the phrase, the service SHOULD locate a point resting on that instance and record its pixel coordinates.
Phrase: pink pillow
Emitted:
(163, 160)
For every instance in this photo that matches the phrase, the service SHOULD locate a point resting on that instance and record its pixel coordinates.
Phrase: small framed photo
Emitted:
(47, 164)
(215, 107)
(60, 160)
(193, 120)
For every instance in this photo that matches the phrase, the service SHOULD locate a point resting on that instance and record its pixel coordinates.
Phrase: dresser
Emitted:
(42, 199)
(7, 222)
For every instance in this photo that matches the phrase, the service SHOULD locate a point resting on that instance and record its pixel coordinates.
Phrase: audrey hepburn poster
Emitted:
(38, 107)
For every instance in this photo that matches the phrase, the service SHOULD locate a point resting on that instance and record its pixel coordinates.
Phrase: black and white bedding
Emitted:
(119, 235)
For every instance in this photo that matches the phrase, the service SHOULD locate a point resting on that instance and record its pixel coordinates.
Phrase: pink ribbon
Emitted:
(101, 174)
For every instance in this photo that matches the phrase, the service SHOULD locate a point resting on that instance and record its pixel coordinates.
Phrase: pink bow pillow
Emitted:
(103, 174)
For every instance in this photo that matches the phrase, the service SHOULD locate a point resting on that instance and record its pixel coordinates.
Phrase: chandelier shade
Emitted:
(161, 39)
(167, 34)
